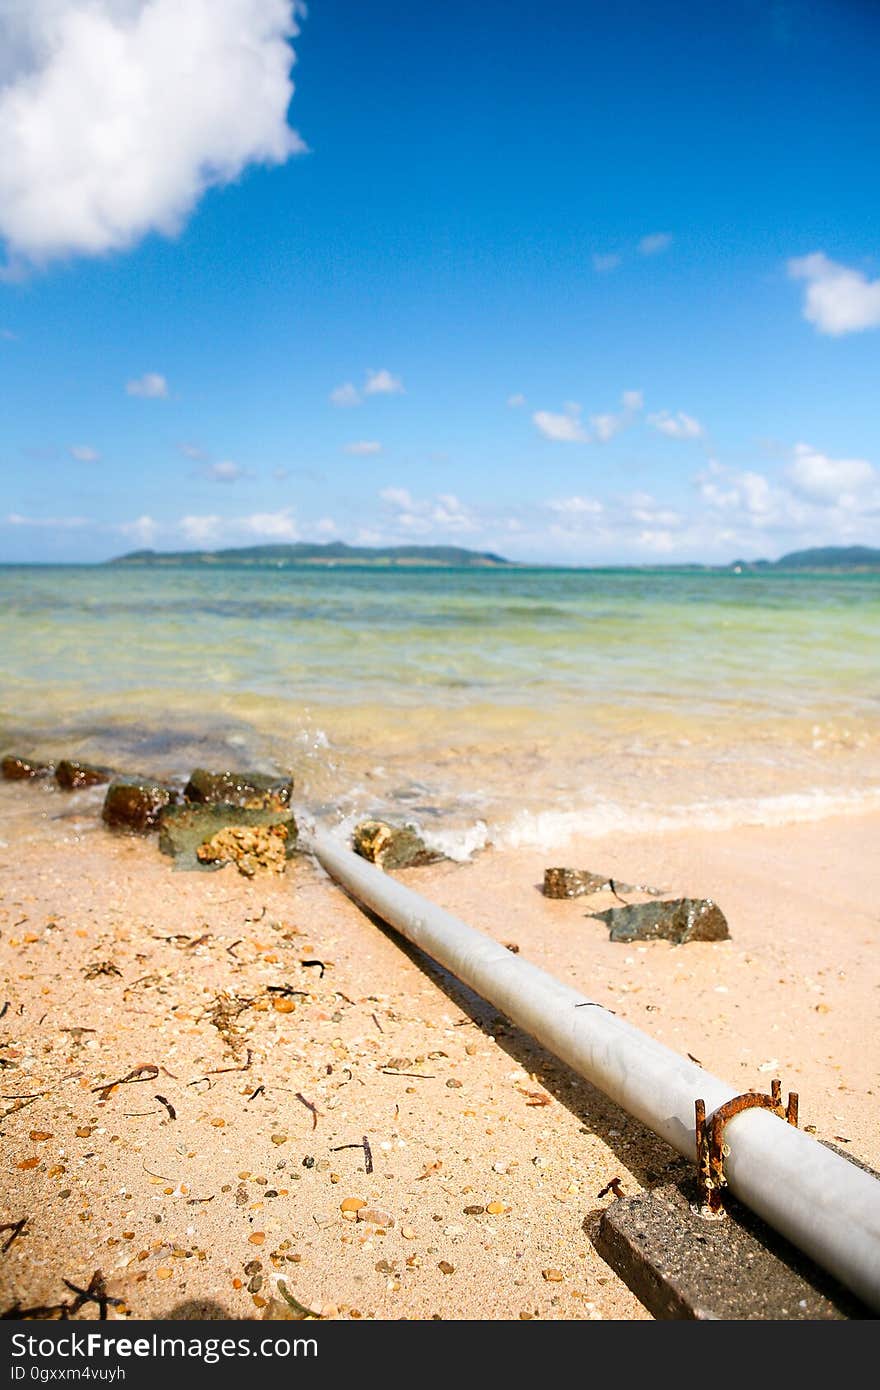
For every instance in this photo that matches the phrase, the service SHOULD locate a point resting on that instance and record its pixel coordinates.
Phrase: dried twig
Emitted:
(309, 1106)
(168, 1106)
(16, 1227)
(319, 963)
(147, 1071)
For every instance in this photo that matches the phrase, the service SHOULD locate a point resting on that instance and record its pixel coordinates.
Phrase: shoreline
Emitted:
(795, 987)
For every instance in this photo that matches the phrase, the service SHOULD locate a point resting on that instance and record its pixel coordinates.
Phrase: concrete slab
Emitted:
(683, 1266)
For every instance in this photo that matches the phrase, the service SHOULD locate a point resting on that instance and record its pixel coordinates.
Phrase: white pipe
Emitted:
(818, 1200)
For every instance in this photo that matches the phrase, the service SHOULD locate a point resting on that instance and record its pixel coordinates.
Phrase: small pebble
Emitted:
(257, 1237)
(374, 1216)
(553, 1276)
(495, 1208)
(407, 1232)
(352, 1204)
(445, 1267)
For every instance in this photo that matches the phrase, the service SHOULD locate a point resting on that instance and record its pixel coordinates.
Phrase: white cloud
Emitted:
(326, 526)
(200, 529)
(603, 263)
(376, 383)
(830, 481)
(397, 497)
(516, 400)
(143, 529)
(117, 115)
(576, 506)
(443, 512)
(678, 426)
(152, 385)
(345, 396)
(276, 526)
(364, 446)
(565, 428)
(643, 508)
(654, 243)
(838, 300)
(224, 472)
(51, 523)
(84, 453)
(568, 427)
(192, 451)
(747, 493)
(605, 427)
(382, 383)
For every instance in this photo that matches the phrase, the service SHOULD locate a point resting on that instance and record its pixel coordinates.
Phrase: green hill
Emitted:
(333, 553)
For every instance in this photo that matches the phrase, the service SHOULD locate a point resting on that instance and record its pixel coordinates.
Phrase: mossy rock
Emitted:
(392, 846)
(252, 790)
(73, 776)
(185, 829)
(17, 769)
(679, 920)
(136, 805)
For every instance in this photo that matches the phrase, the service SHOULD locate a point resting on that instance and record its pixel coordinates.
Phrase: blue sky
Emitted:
(576, 283)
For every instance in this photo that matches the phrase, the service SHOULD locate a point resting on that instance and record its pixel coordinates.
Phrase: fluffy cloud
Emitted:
(84, 453)
(382, 383)
(654, 243)
(565, 428)
(576, 506)
(603, 263)
(50, 523)
(200, 529)
(151, 385)
(345, 396)
(418, 517)
(117, 115)
(678, 426)
(568, 427)
(143, 530)
(605, 427)
(838, 300)
(364, 446)
(224, 472)
(376, 383)
(274, 526)
(838, 482)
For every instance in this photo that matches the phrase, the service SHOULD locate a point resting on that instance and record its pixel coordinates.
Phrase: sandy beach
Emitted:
(277, 1027)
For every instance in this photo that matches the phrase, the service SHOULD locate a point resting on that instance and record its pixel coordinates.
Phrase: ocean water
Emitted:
(503, 705)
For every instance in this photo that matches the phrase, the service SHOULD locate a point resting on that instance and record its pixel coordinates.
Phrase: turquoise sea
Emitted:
(497, 703)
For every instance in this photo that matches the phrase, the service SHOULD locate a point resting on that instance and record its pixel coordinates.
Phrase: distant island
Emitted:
(828, 557)
(333, 553)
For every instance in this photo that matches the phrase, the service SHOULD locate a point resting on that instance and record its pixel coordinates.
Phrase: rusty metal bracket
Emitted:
(711, 1148)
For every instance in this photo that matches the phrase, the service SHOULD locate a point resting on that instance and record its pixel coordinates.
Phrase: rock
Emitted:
(184, 829)
(136, 806)
(375, 1217)
(17, 769)
(392, 846)
(253, 790)
(249, 848)
(574, 883)
(678, 919)
(352, 1204)
(72, 776)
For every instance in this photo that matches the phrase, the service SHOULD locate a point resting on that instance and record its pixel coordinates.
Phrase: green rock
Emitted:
(136, 806)
(184, 829)
(17, 769)
(392, 846)
(253, 790)
(678, 919)
(574, 883)
(73, 776)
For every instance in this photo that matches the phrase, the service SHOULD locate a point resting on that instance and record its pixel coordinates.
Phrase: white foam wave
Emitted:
(549, 829)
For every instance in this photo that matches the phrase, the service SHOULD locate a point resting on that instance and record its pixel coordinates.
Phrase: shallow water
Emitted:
(533, 702)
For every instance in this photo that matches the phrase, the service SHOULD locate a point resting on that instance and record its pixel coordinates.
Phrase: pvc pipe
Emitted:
(817, 1199)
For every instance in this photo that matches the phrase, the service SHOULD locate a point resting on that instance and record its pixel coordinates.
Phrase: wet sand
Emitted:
(487, 1155)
